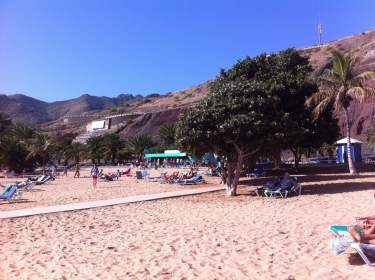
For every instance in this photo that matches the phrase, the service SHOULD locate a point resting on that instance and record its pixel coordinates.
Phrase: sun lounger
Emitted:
(42, 180)
(192, 181)
(283, 191)
(258, 172)
(5, 189)
(26, 185)
(127, 172)
(11, 194)
(155, 179)
(361, 248)
(165, 179)
(141, 174)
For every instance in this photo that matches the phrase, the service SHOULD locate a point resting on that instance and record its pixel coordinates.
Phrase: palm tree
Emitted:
(167, 134)
(5, 123)
(22, 132)
(138, 144)
(76, 150)
(340, 85)
(95, 148)
(39, 147)
(112, 145)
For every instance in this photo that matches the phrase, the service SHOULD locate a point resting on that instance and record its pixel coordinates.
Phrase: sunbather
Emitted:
(364, 233)
(366, 220)
(287, 181)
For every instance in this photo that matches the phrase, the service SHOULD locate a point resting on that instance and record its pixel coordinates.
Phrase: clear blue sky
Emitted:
(60, 49)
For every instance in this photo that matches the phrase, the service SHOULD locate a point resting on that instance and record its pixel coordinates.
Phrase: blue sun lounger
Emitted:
(193, 180)
(361, 248)
(11, 194)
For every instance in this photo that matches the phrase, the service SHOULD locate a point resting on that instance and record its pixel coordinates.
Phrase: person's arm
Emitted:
(370, 230)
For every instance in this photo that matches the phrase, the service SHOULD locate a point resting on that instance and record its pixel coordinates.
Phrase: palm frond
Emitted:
(339, 65)
(321, 107)
(359, 93)
(367, 75)
(319, 96)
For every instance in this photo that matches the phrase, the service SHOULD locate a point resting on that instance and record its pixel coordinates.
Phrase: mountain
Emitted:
(22, 108)
(157, 109)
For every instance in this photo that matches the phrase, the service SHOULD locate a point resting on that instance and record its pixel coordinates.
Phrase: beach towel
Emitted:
(340, 243)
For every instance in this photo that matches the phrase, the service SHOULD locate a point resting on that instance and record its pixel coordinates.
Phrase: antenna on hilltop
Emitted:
(320, 32)
(320, 27)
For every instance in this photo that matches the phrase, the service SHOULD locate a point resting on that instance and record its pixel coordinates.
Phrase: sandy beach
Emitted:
(69, 190)
(206, 236)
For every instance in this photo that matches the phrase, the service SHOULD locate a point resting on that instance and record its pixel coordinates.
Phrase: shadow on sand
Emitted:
(19, 201)
(355, 259)
(323, 184)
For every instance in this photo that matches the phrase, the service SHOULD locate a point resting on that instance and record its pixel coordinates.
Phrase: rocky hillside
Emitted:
(166, 108)
(32, 111)
(363, 47)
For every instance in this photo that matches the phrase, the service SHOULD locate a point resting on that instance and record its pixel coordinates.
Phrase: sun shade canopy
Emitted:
(166, 154)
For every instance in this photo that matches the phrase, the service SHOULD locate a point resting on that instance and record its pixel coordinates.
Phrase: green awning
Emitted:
(165, 155)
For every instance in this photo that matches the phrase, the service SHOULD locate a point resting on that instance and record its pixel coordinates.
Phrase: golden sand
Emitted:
(206, 236)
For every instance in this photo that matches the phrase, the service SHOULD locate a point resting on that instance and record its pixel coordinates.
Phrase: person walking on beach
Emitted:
(65, 171)
(94, 175)
(77, 174)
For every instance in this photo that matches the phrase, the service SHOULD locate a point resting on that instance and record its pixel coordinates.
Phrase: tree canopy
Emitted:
(252, 107)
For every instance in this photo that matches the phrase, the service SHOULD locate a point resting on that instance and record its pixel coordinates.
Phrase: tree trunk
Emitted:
(297, 156)
(352, 169)
(229, 177)
(44, 166)
(276, 156)
(234, 171)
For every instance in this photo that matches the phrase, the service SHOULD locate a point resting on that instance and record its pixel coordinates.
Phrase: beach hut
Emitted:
(342, 150)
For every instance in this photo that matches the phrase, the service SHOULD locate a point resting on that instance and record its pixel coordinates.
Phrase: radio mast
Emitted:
(320, 32)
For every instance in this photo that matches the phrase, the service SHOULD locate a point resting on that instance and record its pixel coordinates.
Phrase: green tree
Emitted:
(95, 148)
(247, 111)
(22, 132)
(61, 149)
(76, 151)
(303, 132)
(39, 148)
(112, 145)
(5, 124)
(167, 134)
(340, 85)
(14, 154)
(138, 144)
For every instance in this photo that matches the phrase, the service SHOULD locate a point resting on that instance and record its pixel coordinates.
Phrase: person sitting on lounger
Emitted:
(364, 233)
(357, 233)
(189, 175)
(287, 181)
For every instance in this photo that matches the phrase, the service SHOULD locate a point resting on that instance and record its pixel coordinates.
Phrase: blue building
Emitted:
(342, 150)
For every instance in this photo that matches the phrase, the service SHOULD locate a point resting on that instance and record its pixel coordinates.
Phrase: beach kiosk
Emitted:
(167, 154)
(172, 157)
(342, 150)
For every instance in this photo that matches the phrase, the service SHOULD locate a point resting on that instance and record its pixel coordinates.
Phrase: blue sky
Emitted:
(60, 49)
